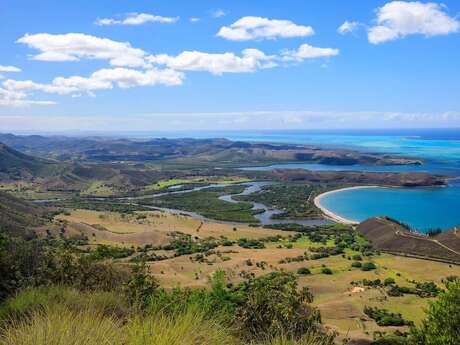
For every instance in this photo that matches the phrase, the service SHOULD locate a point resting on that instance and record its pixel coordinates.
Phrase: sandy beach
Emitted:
(332, 215)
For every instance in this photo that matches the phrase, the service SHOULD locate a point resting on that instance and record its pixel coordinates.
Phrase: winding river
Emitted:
(265, 217)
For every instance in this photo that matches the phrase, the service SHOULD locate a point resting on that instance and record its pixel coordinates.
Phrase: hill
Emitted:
(390, 236)
(18, 216)
(14, 164)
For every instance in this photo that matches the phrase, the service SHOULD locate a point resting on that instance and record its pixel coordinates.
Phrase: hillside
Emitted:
(14, 164)
(17, 216)
(389, 236)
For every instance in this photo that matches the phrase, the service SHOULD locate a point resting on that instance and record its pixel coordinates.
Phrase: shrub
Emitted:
(303, 271)
(368, 266)
(356, 264)
(326, 270)
(385, 318)
(388, 281)
(273, 305)
(141, 286)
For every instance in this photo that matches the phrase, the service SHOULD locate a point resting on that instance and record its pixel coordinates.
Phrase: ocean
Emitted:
(421, 208)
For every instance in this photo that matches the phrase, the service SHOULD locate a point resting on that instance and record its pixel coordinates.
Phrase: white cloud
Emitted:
(9, 69)
(250, 28)
(348, 27)
(137, 19)
(100, 80)
(306, 51)
(194, 19)
(126, 78)
(398, 19)
(218, 13)
(10, 98)
(76, 46)
(249, 61)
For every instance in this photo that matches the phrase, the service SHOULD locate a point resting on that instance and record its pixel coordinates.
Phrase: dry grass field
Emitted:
(151, 227)
(340, 302)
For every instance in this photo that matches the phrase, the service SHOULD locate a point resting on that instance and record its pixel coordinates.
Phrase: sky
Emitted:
(150, 65)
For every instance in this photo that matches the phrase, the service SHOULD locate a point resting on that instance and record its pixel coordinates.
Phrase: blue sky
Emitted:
(147, 65)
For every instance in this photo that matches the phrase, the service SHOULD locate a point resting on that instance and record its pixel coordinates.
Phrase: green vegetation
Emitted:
(296, 200)
(441, 326)
(303, 271)
(110, 252)
(207, 203)
(196, 180)
(368, 266)
(385, 318)
(138, 311)
(97, 205)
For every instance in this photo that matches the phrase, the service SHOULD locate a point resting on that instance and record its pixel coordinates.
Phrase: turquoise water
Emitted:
(421, 208)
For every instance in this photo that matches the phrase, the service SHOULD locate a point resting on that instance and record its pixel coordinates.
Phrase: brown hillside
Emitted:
(387, 235)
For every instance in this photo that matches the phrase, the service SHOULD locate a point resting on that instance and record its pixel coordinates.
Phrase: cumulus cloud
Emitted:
(250, 28)
(77, 46)
(218, 63)
(398, 19)
(306, 51)
(136, 19)
(348, 27)
(100, 80)
(194, 19)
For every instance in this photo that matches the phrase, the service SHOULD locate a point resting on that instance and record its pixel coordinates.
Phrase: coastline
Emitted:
(331, 215)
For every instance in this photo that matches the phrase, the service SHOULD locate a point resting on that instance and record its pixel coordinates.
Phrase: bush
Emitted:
(326, 270)
(391, 340)
(272, 305)
(356, 264)
(385, 318)
(303, 271)
(368, 266)
(141, 286)
(389, 281)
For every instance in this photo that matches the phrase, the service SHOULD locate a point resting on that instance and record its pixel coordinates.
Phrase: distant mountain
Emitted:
(187, 151)
(14, 164)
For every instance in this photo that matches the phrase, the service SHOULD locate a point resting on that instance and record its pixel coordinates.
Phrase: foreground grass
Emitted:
(65, 316)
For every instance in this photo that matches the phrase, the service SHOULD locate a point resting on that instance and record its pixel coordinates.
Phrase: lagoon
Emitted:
(422, 209)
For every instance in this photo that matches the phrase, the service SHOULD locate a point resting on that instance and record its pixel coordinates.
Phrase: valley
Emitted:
(190, 211)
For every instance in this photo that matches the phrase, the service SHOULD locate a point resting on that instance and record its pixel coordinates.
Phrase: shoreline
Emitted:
(331, 215)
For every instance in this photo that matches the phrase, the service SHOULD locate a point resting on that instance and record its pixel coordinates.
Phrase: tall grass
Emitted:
(64, 316)
(36, 299)
(188, 328)
(58, 325)
(306, 339)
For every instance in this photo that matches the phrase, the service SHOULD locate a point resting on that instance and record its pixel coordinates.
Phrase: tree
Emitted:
(141, 287)
(442, 324)
(273, 305)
